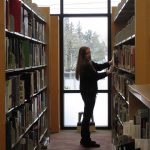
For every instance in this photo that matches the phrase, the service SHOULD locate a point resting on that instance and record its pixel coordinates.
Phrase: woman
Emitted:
(86, 71)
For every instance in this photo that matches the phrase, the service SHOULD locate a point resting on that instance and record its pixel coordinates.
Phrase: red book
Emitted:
(15, 12)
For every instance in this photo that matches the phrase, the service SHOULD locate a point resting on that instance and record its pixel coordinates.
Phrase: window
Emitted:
(85, 7)
(78, 31)
(73, 104)
(77, 6)
(84, 23)
(115, 2)
(53, 4)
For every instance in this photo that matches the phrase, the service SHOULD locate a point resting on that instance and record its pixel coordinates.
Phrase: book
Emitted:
(8, 133)
(8, 98)
(10, 53)
(127, 127)
(136, 131)
(30, 24)
(27, 84)
(25, 22)
(26, 51)
(141, 118)
(143, 144)
(15, 12)
(147, 130)
(15, 91)
(22, 91)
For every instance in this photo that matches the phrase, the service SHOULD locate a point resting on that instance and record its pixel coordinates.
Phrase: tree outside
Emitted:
(75, 37)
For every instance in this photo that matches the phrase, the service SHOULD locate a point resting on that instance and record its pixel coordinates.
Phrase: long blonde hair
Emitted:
(81, 59)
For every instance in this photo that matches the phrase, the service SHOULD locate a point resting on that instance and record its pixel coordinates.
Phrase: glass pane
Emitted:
(53, 4)
(79, 31)
(103, 84)
(85, 7)
(73, 104)
(115, 2)
(101, 110)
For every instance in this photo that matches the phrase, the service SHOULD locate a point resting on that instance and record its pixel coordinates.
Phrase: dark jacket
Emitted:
(90, 76)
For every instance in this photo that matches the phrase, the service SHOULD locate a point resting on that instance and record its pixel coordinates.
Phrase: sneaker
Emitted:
(89, 144)
(89, 140)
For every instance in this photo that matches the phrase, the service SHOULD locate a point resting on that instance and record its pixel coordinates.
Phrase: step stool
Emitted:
(92, 123)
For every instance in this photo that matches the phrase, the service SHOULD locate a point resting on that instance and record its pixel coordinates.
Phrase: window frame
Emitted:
(62, 91)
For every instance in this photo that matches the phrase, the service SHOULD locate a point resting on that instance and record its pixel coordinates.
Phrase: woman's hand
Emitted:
(111, 62)
(110, 70)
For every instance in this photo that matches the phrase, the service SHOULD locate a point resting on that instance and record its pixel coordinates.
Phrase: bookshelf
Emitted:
(139, 94)
(130, 45)
(53, 69)
(23, 72)
(2, 77)
(139, 97)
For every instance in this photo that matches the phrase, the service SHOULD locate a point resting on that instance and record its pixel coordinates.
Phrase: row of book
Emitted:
(124, 60)
(23, 20)
(23, 53)
(139, 129)
(120, 107)
(124, 57)
(19, 136)
(117, 130)
(127, 32)
(142, 118)
(127, 143)
(21, 88)
(121, 81)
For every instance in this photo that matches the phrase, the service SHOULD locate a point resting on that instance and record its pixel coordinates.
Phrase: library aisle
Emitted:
(131, 78)
(70, 140)
(30, 82)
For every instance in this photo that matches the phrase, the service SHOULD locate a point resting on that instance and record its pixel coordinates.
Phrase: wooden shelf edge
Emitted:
(131, 37)
(126, 70)
(28, 128)
(20, 35)
(123, 9)
(141, 92)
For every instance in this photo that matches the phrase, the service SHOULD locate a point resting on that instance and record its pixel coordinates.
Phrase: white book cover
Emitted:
(127, 127)
(136, 131)
(143, 144)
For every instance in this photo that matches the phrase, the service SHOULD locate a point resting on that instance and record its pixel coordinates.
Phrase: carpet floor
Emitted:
(70, 140)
